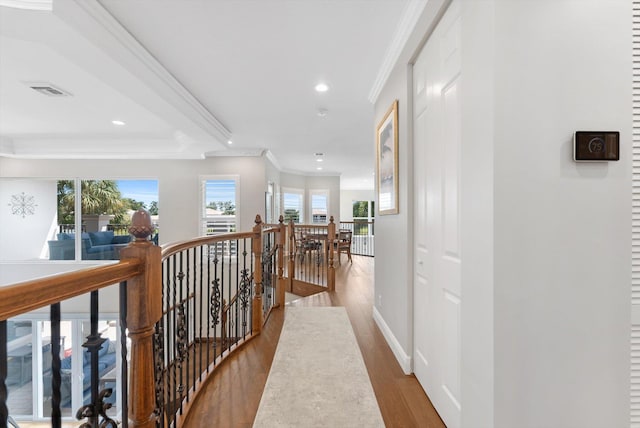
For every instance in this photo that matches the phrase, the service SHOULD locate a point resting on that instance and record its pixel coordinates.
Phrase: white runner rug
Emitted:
(318, 377)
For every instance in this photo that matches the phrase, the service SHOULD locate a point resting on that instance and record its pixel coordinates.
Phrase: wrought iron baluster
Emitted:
(174, 369)
(235, 305)
(200, 319)
(209, 311)
(4, 410)
(56, 380)
(179, 319)
(250, 285)
(217, 296)
(98, 407)
(124, 371)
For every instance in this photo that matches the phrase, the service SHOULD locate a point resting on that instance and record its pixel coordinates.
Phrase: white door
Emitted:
(437, 298)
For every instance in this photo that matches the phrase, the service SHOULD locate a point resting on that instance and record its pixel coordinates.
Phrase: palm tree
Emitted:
(97, 197)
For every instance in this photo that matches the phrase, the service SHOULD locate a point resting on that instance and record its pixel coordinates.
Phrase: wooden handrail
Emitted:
(26, 296)
(176, 247)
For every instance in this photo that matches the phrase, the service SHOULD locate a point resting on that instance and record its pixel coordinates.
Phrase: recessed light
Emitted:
(229, 142)
(118, 122)
(322, 87)
(319, 160)
(319, 168)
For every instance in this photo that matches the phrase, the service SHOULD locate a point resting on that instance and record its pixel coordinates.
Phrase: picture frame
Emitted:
(387, 162)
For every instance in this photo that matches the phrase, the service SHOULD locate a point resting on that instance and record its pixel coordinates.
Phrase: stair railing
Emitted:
(311, 258)
(217, 291)
(171, 310)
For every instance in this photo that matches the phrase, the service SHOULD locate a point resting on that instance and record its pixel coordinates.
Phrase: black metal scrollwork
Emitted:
(158, 353)
(181, 333)
(245, 289)
(216, 303)
(99, 409)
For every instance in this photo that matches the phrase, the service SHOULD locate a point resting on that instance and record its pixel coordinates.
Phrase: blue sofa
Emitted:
(106, 363)
(95, 246)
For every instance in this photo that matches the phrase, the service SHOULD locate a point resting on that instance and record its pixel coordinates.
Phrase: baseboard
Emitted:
(403, 359)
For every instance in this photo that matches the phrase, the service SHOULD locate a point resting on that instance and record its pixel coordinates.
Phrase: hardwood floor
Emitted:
(231, 397)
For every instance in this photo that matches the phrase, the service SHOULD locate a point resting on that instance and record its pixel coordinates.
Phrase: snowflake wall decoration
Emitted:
(23, 205)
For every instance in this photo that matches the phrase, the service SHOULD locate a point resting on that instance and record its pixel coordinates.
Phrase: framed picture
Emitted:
(387, 161)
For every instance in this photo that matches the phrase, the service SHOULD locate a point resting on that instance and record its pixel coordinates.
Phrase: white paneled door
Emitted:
(437, 297)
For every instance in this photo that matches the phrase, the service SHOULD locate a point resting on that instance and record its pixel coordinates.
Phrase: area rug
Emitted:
(318, 377)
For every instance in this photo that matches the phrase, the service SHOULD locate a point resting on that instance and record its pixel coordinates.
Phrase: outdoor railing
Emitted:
(362, 242)
(183, 310)
(119, 229)
(70, 228)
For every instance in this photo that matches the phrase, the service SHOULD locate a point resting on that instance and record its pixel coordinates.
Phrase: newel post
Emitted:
(256, 308)
(144, 309)
(292, 256)
(331, 275)
(282, 230)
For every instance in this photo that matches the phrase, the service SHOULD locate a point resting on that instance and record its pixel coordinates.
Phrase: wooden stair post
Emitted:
(144, 309)
(281, 240)
(256, 308)
(331, 237)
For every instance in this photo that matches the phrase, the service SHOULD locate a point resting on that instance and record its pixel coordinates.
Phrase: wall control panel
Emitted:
(596, 146)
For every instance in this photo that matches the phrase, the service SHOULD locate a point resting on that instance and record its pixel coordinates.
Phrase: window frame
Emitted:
(319, 192)
(203, 200)
(301, 194)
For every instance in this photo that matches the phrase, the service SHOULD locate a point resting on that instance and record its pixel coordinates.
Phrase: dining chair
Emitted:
(343, 245)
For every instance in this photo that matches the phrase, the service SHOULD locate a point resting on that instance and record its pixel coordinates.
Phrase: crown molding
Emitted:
(405, 27)
(46, 5)
(95, 23)
(272, 158)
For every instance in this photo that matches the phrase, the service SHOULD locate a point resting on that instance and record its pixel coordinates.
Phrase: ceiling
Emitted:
(186, 77)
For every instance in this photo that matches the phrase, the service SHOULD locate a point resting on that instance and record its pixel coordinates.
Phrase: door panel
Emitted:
(437, 144)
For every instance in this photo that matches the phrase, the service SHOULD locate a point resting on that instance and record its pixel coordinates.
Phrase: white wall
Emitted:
(25, 238)
(546, 241)
(178, 184)
(307, 183)
(562, 229)
(476, 215)
(347, 197)
(393, 242)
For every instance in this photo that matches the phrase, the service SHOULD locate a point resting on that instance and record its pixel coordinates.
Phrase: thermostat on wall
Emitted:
(595, 146)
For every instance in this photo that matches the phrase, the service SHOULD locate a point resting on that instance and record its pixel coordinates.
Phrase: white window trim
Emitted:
(202, 202)
(323, 192)
(293, 190)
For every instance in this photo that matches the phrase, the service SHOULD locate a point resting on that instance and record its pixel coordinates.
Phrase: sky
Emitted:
(221, 191)
(140, 190)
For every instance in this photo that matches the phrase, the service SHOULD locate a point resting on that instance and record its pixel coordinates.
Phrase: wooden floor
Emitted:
(232, 395)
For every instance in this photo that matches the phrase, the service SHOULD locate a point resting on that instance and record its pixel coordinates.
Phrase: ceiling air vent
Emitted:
(48, 89)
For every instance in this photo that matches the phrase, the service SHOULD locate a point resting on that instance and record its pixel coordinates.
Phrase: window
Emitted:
(47, 216)
(363, 213)
(219, 204)
(293, 205)
(29, 346)
(105, 207)
(319, 206)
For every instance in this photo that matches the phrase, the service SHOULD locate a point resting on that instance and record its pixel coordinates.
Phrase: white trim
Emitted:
(403, 359)
(100, 27)
(407, 22)
(203, 198)
(272, 158)
(319, 192)
(46, 5)
(303, 201)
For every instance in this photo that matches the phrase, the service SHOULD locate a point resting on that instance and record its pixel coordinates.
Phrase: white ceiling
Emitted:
(186, 76)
